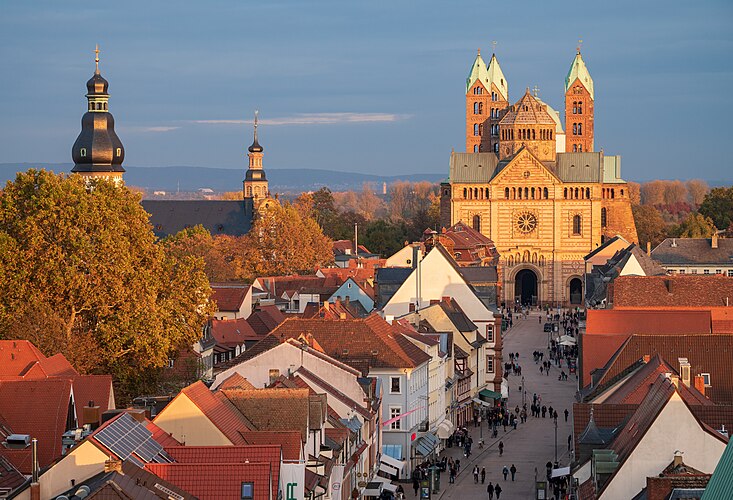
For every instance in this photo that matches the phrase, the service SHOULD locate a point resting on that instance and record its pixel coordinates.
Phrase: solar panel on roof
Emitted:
(125, 436)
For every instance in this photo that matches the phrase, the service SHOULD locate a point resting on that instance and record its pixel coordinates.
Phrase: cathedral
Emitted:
(541, 193)
(98, 153)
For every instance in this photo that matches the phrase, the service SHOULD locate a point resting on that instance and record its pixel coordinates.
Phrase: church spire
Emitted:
(579, 71)
(255, 147)
(98, 152)
(579, 107)
(255, 182)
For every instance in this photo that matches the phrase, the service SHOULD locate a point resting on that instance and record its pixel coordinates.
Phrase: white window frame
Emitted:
(490, 332)
(706, 379)
(489, 363)
(395, 411)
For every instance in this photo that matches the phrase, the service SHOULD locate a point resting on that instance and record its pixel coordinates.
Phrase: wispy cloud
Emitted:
(155, 129)
(315, 119)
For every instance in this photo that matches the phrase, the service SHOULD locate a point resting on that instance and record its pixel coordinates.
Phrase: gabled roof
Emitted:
(219, 410)
(216, 216)
(606, 244)
(217, 481)
(20, 358)
(721, 482)
(456, 316)
(232, 332)
(289, 441)
(695, 251)
(236, 381)
(265, 319)
(528, 110)
(40, 409)
(333, 392)
(496, 77)
(679, 290)
(478, 72)
(229, 297)
(705, 353)
(472, 167)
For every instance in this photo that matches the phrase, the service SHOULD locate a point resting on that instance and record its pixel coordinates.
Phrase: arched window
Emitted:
(104, 106)
(604, 217)
(478, 91)
(486, 192)
(475, 193)
(545, 193)
(464, 193)
(534, 258)
(622, 193)
(477, 222)
(587, 193)
(533, 193)
(496, 147)
(119, 151)
(575, 129)
(550, 134)
(83, 152)
(526, 193)
(580, 148)
(249, 191)
(510, 261)
(519, 193)
(542, 260)
(525, 256)
(580, 129)
(613, 193)
(580, 107)
(533, 134)
(494, 97)
(576, 193)
(565, 193)
(577, 221)
(575, 107)
(475, 129)
(481, 129)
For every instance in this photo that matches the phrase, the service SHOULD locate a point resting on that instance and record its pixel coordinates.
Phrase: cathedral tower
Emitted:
(528, 124)
(579, 98)
(487, 97)
(98, 152)
(255, 182)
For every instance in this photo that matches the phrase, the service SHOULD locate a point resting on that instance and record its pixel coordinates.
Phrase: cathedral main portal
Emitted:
(525, 287)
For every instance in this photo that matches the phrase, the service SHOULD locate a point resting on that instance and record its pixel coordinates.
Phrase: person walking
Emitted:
(570, 440)
(513, 470)
(505, 471)
(475, 475)
(566, 414)
(490, 491)
(415, 485)
(452, 477)
(501, 448)
(497, 490)
(483, 474)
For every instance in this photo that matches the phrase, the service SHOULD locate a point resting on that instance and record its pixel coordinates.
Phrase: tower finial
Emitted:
(479, 51)
(536, 90)
(493, 46)
(257, 112)
(580, 44)
(96, 59)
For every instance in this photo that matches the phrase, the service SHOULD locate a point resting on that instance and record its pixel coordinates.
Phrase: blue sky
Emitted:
(371, 86)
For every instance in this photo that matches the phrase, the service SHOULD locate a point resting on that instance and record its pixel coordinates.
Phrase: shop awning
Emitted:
(425, 445)
(561, 472)
(373, 489)
(445, 429)
(568, 338)
(482, 403)
(386, 483)
(390, 465)
(487, 394)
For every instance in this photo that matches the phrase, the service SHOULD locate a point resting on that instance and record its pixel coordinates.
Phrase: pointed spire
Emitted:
(496, 76)
(255, 147)
(579, 71)
(478, 72)
(96, 59)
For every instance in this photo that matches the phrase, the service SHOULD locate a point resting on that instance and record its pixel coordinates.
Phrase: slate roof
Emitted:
(472, 167)
(228, 217)
(694, 251)
(476, 275)
(706, 354)
(457, 316)
(229, 297)
(679, 290)
(218, 481)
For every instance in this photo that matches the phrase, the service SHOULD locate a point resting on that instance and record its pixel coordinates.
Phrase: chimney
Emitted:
(684, 371)
(647, 358)
(714, 241)
(677, 461)
(674, 378)
(648, 247)
(389, 318)
(92, 415)
(700, 384)
(35, 485)
(326, 305)
(670, 285)
(112, 465)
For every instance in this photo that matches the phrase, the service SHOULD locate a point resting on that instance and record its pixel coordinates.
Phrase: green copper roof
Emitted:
(478, 72)
(487, 75)
(580, 71)
(721, 483)
(497, 77)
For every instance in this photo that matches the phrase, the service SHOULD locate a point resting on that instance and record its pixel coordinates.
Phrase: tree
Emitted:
(652, 193)
(675, 192)
(695, 226)
(86, 268)
(634, 193)
(718, 205)
(280, 242)
(384, 237)
(650, 226)
(198, 242)
(696, 190)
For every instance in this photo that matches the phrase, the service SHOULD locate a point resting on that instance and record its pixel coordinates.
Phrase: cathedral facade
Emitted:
(540, 192)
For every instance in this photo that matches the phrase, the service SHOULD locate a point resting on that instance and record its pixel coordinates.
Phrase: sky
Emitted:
(371, 86)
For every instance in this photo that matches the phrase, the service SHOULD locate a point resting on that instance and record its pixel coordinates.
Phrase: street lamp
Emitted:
(555, 442)
(524, 393)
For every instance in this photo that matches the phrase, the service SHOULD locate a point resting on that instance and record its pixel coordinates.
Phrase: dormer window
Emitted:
(83, 152)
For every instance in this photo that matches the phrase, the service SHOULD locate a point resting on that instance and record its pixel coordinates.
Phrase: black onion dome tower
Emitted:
(255, 180)
(98, 152)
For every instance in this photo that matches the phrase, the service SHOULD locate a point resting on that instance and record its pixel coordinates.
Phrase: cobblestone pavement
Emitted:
(532, 445)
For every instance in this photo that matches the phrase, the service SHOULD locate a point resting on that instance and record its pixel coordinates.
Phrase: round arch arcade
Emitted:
(526, 287)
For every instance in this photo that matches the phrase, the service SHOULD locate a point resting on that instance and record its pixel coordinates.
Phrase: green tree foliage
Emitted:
(384, 237)
(694, 226)
(83, 275)
(718, 205)
(649, 225)
(280, 242)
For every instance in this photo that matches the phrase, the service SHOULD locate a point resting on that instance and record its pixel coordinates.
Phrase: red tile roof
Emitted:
(595, 351)
(218, 410)
(647, 321)
(236, 381)
(679, 290)
(161, 436)
(97, 388)
(289, 441)
(706, 354)
(20, 358)
(232, 332)
(265, 319)
(10, 477)
(218, 481)
(229, 298)
(203, 455)
(38, 408)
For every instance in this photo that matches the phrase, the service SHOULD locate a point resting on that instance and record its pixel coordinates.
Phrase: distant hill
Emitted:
(227, 179)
